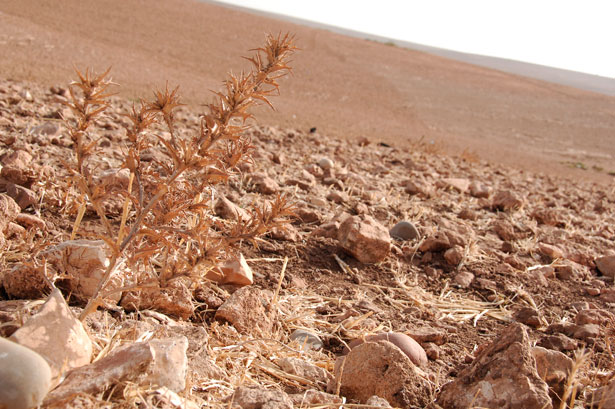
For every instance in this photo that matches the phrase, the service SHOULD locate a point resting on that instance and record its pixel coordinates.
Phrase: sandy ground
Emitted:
(346, 87)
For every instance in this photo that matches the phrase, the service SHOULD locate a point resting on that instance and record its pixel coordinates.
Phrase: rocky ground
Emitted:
(496, 290)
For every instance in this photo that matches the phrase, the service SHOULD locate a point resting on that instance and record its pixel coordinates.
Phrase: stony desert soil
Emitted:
(346, 87)
(504, 260)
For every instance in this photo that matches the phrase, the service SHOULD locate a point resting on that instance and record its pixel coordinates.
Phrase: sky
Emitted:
(575, 35)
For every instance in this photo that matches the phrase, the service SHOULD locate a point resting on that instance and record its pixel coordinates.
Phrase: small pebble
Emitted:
(307, 338)
(404, 231)
(325, 163)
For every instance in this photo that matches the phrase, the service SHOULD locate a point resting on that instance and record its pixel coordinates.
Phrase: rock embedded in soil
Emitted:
(382, 369)
(378, 402)
(553, 367)
(9, 209)
(528, 316)
(463, 279)
(170, 363)
(404, 230)
(606, 265)
(24, 197)
(435, 243)
(235, 271)
(366, 239)
(226, 209)
(604, 397)
(247, 310)
(25, 376)
(83, 264)
(454, 255)
(413, 350)
(255, 397)
(312, 397)
(264, 184)
(459, 184)
(126, 363)
(503, 375)
(306, 338)
(56, 334)
(304, 369)
(506, 200)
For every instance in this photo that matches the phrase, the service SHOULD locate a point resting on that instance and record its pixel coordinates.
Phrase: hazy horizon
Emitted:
(559, 34)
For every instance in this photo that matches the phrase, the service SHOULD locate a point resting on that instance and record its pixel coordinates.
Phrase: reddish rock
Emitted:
(606, 265)
(382, 369)
(406, 344)
(553, 367)
(604, 397)
(29, 221)
(264, 184)
(256, 397)
(528, 316)
(480, 190)
(126, 363)
(459, 184)
(226, 209)
(463, 279)
(594, 316)
(304, 369)
(23, 196)
(454, 255)
(234, 271)
(437, 242)
(504, 230)
(312, 397)
(428, 334)
(366, 239)
(328, 230)
(9, 209)
(506, 200)
(558, 342)
(503, 375)
(550, 251)
(246, 310)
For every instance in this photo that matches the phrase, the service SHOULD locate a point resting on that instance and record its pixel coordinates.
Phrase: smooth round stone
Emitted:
(409, 346)
(325, 163)
(404, 231)
(307, 338)
(25, 376)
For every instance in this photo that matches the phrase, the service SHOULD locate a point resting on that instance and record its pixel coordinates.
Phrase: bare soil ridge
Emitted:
(346, 87)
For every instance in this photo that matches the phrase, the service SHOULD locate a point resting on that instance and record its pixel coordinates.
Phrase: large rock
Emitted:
(554, 367)
(503, 375)
(127, 363)
(409, 346)
(83, 263)
(25, 376)
(366, 239)
(382, 369)
(604, 397)
(247, 310)
(56, 334)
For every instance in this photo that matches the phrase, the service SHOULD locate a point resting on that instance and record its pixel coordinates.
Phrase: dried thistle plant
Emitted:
(166, 227)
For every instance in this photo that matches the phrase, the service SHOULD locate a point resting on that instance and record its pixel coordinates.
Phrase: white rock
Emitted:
(25, 376)
(170, 363)
(325, 163)
(84, 262)
(57, 335)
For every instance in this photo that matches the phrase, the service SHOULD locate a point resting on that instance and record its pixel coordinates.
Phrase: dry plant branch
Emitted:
(166, 212)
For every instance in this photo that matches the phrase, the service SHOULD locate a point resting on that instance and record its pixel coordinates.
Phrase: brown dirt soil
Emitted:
(347, 88)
